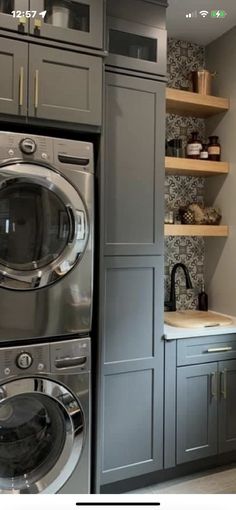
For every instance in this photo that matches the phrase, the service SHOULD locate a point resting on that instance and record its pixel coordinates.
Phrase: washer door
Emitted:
(42, 432)
(43, 226)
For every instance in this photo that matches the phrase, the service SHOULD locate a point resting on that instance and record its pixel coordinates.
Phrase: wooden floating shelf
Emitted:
(191, 104)
(197, 167)
(197, 230)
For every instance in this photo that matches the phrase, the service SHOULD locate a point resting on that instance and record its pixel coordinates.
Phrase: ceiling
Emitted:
(198, 29)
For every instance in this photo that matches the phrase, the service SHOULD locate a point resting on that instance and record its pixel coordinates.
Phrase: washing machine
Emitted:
(45, 418)
(46, 236)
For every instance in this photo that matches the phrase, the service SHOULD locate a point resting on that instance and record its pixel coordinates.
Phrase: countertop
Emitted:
(172, 333)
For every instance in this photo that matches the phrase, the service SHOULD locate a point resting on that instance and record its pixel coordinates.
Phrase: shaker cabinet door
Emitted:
(16, 22)
(134, 166)
(76, 22)
(227, 406)
(13, 77)
(196, 412)
(65, 86)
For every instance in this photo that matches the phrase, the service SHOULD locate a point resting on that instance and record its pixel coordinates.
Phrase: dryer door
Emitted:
(42, 432)
(44, 226)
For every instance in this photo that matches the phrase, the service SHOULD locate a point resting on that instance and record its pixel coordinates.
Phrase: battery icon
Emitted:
(218, 14)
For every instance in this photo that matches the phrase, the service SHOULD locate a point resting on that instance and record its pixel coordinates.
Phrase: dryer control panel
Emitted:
(67, 356)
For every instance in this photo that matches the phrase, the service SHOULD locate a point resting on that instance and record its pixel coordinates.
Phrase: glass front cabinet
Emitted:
(12, 15)
(76, 22)
(136, 46)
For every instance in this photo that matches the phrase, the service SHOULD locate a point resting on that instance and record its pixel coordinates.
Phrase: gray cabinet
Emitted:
(53, 84)
(13, 77)
(134, 166)
(200, 411)
(196, 412)
(77, 22)
(65, 86)
(136, 36)
(17, 23)
(131, 406)
(136, 46)
(227, 406)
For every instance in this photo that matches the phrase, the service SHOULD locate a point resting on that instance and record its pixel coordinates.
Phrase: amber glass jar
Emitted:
(214, 148)
(194, 146)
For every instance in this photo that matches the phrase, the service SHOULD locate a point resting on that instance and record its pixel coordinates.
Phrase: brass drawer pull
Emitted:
(214, 385)
(36, 90)
(224, 383)
(220, 349)
(21, 86)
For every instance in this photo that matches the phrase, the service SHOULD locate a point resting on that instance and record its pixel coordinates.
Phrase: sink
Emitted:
(196, 319)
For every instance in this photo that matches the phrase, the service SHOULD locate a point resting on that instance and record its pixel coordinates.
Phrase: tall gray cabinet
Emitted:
(130, 404)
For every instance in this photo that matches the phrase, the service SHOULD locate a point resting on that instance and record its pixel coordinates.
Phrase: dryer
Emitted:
(46, 236)
(45, 418)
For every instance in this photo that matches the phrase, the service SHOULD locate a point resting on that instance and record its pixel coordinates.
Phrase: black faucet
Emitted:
(171, 305)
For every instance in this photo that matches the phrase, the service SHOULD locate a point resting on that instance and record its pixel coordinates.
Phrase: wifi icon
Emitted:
(204, 13)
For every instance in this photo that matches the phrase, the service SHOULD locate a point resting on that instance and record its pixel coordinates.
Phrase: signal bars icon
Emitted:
(192, 14)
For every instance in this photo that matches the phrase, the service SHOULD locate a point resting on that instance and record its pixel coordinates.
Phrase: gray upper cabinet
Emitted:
(65, 86)
(13, 77)
(136, 46)
(76, 22)
(227, 407)
(134, 166)
(14, 21)
(196, 412)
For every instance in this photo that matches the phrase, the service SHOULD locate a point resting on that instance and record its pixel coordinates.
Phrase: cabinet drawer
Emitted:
(191, 351)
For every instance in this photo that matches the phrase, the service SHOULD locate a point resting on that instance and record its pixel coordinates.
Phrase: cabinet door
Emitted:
(131, 404)
(65, 86)
(136, 46)
(17, 23)
(227, 406)
(13, 77)
(77, 22)
(196, 412)
(134, 166)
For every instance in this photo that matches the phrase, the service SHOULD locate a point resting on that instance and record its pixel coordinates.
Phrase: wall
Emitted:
(182, 58)
(221, 254)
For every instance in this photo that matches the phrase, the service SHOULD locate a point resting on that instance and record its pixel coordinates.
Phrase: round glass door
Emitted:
(35, 226)
(44, 226)
(38, 440)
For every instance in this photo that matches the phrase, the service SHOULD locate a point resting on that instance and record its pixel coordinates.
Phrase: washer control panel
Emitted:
(66, 356)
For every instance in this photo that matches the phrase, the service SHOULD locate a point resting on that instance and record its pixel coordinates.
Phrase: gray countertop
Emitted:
(173, 333)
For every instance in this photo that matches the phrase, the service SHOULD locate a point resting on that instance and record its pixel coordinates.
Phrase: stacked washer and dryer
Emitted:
(46, 282)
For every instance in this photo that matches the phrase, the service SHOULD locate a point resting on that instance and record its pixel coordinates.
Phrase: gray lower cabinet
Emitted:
(227, 406)
(200, 410)
(13, 77)
(196, 434)
(134, 166)
(131, 403)
(65, 86)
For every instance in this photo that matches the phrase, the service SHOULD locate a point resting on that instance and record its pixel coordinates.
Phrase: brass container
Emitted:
(202, 81)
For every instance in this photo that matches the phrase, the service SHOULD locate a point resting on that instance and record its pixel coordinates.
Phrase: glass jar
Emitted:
(214, 148)
(204, 152)
(194, 146)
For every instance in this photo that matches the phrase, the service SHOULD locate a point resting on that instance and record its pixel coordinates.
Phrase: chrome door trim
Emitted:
(75, 436)
(46, 176)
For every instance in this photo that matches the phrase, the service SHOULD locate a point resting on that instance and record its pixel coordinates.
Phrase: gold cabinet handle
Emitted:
(21, 86)
(36, 89)
(224, 383)
(214, 385)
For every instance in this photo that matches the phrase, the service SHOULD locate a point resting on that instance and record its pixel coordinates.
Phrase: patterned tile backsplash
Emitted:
(184, 57)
